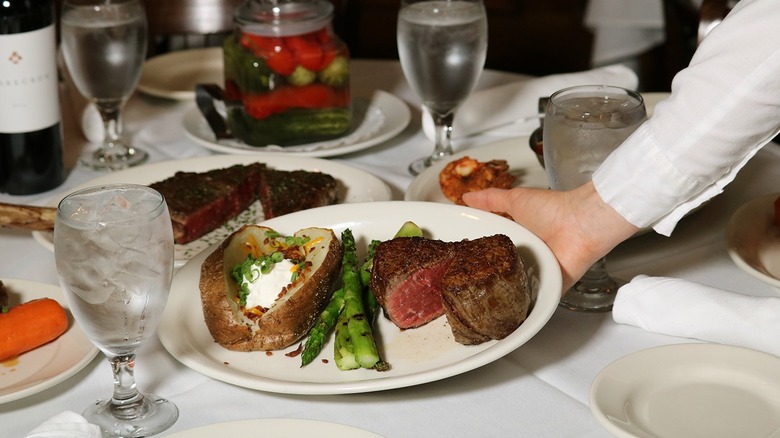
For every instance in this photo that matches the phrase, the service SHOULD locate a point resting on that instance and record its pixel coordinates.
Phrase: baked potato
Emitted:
(312, 262)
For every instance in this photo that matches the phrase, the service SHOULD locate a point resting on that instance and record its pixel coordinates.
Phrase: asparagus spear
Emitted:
(322, 327)
(354, 343)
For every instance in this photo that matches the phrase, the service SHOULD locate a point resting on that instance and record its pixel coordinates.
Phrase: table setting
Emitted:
(687, 348)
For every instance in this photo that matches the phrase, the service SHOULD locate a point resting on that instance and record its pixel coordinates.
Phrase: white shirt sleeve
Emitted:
(723, 108)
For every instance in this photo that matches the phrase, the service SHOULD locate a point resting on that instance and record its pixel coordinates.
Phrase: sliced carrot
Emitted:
(30, 325)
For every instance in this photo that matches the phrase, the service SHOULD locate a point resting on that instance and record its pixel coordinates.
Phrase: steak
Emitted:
(480, 285)
(286, 191)
(199, 202)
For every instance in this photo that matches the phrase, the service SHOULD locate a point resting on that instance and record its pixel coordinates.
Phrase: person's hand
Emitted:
(577, 225)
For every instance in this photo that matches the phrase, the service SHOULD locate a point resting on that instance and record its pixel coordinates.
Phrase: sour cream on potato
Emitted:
(265, 289)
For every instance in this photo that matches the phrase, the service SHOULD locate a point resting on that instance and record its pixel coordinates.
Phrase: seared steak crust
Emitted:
(289, 191)
(199, 202)
(480, 284)
(485, 294)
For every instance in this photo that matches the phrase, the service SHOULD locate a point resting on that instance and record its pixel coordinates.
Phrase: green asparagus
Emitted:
(322, 327)
(354, 343)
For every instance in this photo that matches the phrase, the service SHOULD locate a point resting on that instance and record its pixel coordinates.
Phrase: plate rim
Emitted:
(157, 63)
(397, 111)
(680, 354)
(543, 309)
(44, 238)
(33, 290)
(736, 227)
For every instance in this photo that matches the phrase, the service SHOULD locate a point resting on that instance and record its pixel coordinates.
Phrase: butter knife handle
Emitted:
(27, 217)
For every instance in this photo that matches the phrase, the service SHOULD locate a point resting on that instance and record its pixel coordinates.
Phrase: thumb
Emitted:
(495, 200)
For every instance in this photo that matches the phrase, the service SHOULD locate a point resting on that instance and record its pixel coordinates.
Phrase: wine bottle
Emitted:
(30, 131)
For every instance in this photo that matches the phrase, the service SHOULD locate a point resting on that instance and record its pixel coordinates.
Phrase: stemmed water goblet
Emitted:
(582, 126)
(104, 46)
(442, 46)
(113, 246)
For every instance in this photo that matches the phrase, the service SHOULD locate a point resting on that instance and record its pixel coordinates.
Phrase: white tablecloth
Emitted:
(539, 390)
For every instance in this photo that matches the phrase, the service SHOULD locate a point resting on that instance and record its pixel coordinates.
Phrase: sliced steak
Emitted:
(485, 292)
(480, 284)
(286, 191)
(200, 202)
(406, 279)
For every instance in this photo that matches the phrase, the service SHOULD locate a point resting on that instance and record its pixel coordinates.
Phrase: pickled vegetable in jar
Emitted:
(286, 74)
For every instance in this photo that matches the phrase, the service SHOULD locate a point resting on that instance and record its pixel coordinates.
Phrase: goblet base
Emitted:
(592, 297)
(108, 159)
(149, 416)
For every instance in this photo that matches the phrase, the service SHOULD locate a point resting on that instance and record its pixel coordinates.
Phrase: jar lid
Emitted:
(283, 17)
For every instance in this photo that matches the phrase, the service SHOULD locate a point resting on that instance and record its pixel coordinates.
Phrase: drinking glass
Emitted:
(582, 126)
(104, 46)
(113, 246)
(442, 46)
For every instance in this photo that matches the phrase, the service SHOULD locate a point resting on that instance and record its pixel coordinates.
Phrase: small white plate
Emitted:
(378, 118)
(50, 364)
(416, 356)
(690, 391)
(288, 428)
(753, 239)
(521, 160)
(354, 185)
(174, 75)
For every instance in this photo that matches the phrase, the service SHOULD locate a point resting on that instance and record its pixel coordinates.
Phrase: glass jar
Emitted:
(286, 74)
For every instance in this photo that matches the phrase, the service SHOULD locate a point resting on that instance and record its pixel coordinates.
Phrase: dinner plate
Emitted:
(521, 160)
(47, 365)
(416, 356)
(753, 239)
(353, 185)
(690, 391)
(282, 427)
(175, 74)
(378, 118)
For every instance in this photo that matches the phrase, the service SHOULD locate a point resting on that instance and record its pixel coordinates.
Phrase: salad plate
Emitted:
(378, 118)
(47, 365)
(174, 75)
(523, 164)
(753, 239)
(353, 185)
(691, 391)
(280, 427)
(416, 356)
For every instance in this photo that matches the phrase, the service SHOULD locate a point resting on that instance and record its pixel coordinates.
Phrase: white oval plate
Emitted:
(753, 239)
(383, 117)
(174, 75)
(416, 356)
(354, 185)
(690, 391)
(47, 365)
(521, 160)
(288, 428)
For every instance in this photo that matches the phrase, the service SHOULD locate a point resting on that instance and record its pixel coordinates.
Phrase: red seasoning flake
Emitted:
(325, 361)
(269, 353)
(295, 352)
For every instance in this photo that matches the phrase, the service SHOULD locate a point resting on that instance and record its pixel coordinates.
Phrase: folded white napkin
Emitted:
(691, 310)
(66, 424)
(514, 107)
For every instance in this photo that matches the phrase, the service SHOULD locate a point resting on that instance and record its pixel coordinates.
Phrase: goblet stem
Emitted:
(595, 292)
(127, 402)
(443, 145)
(114, 154)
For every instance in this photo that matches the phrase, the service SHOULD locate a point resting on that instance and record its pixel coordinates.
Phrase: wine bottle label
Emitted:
(29, 97)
